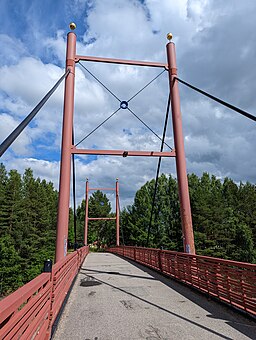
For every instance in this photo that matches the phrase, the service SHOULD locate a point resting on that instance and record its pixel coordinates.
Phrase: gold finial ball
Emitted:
(72, 26)
(169, 36)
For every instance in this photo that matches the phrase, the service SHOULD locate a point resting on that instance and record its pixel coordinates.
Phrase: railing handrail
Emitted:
(17, 298)
(57, 266)
(208, 258)
(231, 282)
(31, 310)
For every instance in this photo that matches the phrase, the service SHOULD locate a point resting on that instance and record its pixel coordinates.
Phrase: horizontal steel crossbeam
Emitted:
(108, 189)
(101, 218)
(121, 61)
(123, 153)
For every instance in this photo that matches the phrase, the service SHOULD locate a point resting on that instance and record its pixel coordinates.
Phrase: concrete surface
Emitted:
(115, 299)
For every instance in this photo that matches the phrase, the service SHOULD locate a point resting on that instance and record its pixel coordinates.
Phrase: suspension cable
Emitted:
(148, 127)
(143, 88)
(121, 102)
(120, 216)
(74, 192)
(100, 82)
(222, 102)
(112, 114)
(158, 167)
(16, 132)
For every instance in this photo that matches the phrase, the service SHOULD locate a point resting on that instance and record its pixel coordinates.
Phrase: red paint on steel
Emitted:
(101, 218)
(107, 189)
(63, 274)
(123, 153)
(86, 212)
(117, 213)
(121, 61)
(15, 321)
(87, 218)
(29, 312)
(65, 165)
(231, 282)
(186, 218)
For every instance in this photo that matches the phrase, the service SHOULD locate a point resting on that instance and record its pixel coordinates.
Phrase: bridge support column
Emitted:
(86, 212)
(185, 210)
(65, 165)
(117, 214)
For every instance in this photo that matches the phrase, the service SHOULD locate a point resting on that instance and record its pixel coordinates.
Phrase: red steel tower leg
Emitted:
(186, 218)
(86, 213)
(65, 165)
(117, 213)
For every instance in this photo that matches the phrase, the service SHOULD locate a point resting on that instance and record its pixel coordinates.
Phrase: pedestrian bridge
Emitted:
(105, 295)
(114, 298)
(123, 294)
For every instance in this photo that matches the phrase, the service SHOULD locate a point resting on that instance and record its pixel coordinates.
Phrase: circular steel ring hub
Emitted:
(124, 105)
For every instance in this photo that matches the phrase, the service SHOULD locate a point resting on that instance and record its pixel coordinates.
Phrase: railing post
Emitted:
(49, 330)
(185, 210)
(117, 213)
(65, 164)
(86, 212)
(160, 260)
(77, 260)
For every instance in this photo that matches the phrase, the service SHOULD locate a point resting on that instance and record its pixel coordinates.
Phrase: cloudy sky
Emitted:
(216, 51)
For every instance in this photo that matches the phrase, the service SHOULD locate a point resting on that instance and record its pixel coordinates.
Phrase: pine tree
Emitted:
(101, 231)
(27, 226)
(11, 276)
(223, 217)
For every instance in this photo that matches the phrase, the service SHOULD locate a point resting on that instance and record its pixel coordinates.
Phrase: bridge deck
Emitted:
(114, 299)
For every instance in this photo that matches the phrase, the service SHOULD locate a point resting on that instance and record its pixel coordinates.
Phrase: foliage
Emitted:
(223, 212)
(28, 216)
(102, 232)
(224, 217)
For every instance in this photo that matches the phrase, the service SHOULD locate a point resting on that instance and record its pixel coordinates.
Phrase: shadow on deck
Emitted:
(130, 301)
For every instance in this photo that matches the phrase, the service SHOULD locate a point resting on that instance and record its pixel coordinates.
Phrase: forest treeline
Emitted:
(28, 215)
(224, 220)
(224, 217)
(223, 213)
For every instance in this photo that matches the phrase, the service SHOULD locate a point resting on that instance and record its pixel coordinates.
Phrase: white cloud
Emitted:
(13, 50)
(215, 50)
(22, 145)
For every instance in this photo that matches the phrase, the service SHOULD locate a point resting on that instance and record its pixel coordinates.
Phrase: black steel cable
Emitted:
(158, 167)
(112, 114)
(121, 106)
(16, 132)
(100, 82)
(148, 127)
(74, 192)
(230, 106)
(122, 230)
(143, 88)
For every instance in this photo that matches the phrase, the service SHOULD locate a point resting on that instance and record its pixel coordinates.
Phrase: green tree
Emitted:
(71, 231)
(27, 226)
(101, 231)
(223, 217)
(165, 229)
(80, 213)
(10, 267)
(10, 208)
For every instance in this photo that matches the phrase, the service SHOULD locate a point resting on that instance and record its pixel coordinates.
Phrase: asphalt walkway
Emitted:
(114, 299)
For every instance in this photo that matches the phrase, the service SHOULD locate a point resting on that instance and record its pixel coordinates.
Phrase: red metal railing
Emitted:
(229, 281)
(30, 311)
